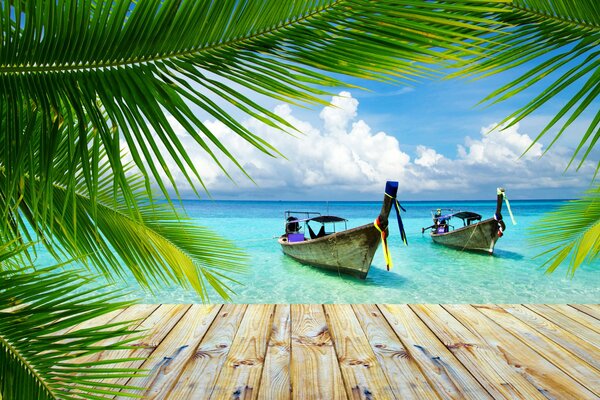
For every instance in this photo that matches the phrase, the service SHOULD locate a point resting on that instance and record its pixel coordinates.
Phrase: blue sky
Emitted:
(433, 138)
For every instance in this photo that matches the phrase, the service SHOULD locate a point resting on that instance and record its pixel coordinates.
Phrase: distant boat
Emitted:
(349, 251)
(474, 234)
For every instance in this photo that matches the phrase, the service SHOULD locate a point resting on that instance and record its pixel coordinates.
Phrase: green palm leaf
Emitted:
(141, 61)
(564, 37)
(36, 362)
(115, 229)
(572, 232)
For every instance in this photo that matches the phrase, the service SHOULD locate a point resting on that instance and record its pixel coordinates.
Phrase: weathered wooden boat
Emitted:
(348, 251)
(474, 234)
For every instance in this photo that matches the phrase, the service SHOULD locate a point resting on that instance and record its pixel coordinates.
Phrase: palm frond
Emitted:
(140, 61)
(115, 229)
(570, 233)
(563, 36)
(38, 363)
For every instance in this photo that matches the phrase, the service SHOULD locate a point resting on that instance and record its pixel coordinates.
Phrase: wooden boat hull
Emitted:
(481, 237)
(350, 252)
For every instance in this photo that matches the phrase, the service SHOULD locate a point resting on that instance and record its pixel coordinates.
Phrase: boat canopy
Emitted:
(327, 219)
(313, 216)
(449, 213)
(467, 215)
(293, 224)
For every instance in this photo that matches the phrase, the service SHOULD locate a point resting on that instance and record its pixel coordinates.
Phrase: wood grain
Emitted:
(446, 374)
(201, 372)
(275, 381)
(314, 369)
(580, 317)
(135, 315)
(402, 371)
(97, 321)
(166, 362)
(240, 375)
(360, 351)
(486, 364)
(592, 310)
(493, 323)
(550, 332)
(363, 376)
(569, 322)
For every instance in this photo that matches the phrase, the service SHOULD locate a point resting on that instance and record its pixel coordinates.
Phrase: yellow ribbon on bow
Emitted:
(384, 244)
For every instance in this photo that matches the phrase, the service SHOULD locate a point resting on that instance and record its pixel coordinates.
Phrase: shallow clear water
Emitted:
(423, 272)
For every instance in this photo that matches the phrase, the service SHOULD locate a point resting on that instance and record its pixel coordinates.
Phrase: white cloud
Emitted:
(427, 157)
(344, 156)
(341, 111)
(498, 145)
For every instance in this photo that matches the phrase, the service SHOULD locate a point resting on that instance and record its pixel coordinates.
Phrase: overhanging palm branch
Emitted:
(572, 232)
(563, 36)
(117, 230)
(140, 61)
(35, 362)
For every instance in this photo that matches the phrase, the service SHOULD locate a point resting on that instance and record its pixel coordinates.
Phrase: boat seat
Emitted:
(295, 237)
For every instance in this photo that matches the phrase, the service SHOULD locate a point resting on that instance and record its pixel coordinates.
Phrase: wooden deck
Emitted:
(238, 351)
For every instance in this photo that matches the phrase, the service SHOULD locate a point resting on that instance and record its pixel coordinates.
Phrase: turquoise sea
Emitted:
(423, 272)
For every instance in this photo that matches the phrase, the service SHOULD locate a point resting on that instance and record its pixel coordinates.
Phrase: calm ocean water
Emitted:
(423, 272)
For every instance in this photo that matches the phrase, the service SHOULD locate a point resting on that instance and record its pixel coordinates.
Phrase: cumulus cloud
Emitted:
(427, 157)
(342, 155)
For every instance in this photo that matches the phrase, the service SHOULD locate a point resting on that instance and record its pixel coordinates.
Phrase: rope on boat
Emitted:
(385, 233)
(384, 244)
(398, 207)
(512, 217)
(470, 237)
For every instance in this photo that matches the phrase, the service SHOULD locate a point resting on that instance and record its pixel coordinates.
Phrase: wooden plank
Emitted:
(445, 373)
(580, 317)
(363, 376)
(570, 324)
(275, 381)
(544, 349)
(591, 309)
(314, 369)
(543, 346)
(402, 372)
(155, 328)
(201, 372)
(549, 330)
(136, 314)
(588, 309)
(97, 321)
(486, 364)
(167, 360)
(240, 375)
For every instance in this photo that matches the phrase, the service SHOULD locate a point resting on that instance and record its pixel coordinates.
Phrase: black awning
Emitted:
(323, 219)
(467, 215)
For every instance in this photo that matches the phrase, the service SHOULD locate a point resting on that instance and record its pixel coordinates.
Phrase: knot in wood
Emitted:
(200, 354)
(401, 354)
(459, 345)
(356, 362)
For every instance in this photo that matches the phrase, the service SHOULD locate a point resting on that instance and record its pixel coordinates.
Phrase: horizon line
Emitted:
(365, 201)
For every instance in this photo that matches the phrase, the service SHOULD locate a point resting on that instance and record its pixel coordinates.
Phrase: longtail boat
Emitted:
(474, 234)
(349, 251)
